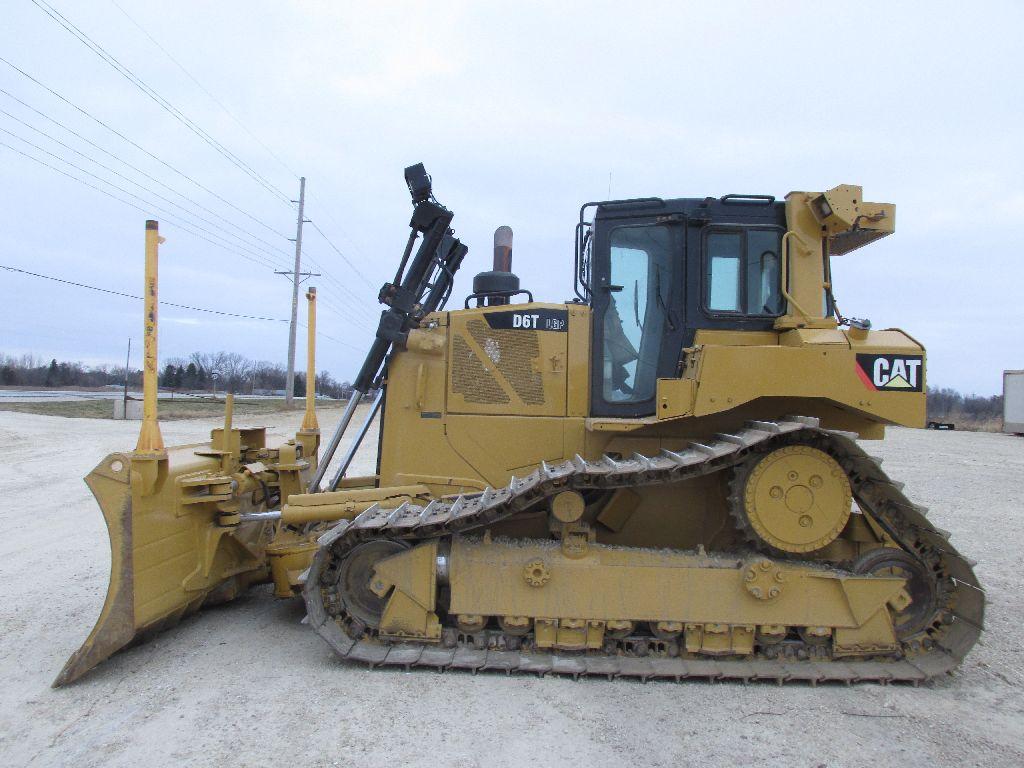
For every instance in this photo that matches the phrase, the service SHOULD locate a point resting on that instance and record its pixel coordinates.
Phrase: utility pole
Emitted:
(127, 373)
(289, 387)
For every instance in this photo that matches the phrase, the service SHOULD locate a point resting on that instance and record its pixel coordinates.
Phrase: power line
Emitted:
(355, 297)
(213, 98)
(352, 313)
(245, 128)
(138, 146)
(71, 176)
(336, 341)
(110, 154)
(346, 318)
(135, 80)
(171, 303)
(343, 256)
(255, 250)
(139, 298)
(335, 309)
(325, 209)
(122, 200)
(252, 256)
(328, 306)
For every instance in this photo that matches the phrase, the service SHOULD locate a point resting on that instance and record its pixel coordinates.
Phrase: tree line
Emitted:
(199, 372)
(30, 371)
(948, 405)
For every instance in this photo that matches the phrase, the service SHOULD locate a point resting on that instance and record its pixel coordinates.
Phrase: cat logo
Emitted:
(891, 373)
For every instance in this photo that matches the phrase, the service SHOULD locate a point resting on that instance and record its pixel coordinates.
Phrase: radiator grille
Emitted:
(515, 353)
(470, 379)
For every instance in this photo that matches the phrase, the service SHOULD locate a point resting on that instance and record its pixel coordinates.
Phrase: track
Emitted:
(955, 626)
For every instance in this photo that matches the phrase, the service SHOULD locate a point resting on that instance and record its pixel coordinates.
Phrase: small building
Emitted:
(1013, 402)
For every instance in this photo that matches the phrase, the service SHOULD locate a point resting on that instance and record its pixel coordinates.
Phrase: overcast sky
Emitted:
(520, 112)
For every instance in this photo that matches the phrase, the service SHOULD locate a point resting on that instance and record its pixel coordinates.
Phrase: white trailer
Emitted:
(1013, 402)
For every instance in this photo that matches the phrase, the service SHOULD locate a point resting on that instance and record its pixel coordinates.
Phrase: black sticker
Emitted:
(530, 320)
(891, 373)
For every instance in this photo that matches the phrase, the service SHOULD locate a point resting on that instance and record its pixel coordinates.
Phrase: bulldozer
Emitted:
(663, 477)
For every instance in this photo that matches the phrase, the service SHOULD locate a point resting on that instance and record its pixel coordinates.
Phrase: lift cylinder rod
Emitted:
(357, 441)
(332, 446)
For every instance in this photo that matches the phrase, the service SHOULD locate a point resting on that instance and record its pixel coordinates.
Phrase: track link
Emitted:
(935, 651)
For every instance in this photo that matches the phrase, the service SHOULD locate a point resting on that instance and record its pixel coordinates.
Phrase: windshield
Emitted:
(634, 319)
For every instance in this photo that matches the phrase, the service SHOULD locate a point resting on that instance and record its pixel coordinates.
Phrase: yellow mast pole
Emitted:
(150, 440)
(309, 422)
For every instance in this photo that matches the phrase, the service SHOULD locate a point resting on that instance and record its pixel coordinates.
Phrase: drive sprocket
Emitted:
(794, 499)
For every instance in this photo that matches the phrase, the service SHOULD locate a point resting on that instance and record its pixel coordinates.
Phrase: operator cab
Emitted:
(655, 271)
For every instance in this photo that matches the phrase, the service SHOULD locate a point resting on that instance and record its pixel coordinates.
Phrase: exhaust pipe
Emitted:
(496, 288)
(503, 249)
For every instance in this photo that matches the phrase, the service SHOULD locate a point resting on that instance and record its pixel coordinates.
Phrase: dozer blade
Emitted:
(175, 544)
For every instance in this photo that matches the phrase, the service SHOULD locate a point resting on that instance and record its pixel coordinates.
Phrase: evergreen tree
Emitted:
(167, 379)
(52, 373)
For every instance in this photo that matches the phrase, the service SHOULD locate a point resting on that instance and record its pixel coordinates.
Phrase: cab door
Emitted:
(637, 296)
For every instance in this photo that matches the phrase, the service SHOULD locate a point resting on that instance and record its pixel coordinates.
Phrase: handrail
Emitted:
(784, 277)
(738, 199)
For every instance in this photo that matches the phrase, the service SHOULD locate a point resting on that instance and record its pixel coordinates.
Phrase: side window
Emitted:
(724, 253)
(743, 272)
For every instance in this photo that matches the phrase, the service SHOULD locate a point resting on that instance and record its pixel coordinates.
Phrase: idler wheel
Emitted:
(889, 561)
(355, 574)
(792, 500)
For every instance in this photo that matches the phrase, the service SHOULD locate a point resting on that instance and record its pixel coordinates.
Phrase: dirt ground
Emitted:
(248, 685)
(171, 409)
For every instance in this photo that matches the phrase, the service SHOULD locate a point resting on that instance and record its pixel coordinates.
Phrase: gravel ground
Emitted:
(246, 684)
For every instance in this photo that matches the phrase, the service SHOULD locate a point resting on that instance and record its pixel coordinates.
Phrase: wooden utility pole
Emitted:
(289, 387)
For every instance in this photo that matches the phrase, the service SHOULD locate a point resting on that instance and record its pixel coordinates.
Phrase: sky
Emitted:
(521, 112)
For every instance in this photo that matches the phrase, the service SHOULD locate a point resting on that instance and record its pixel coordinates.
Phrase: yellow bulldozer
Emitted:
(664, 477)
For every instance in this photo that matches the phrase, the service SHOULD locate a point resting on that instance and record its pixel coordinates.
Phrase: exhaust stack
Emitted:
(503, 249)
(497, 287)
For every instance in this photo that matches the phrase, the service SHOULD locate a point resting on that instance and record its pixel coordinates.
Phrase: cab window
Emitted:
(743, 272)
(634, 318)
